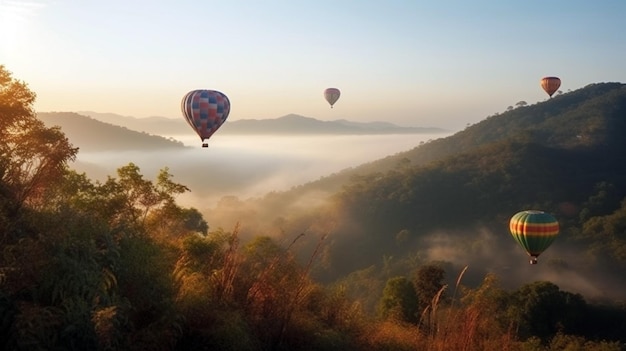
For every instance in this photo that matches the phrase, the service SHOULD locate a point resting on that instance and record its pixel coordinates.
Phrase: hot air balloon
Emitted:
(332, 95)
(534, 231)
(205, 111)
(550, 84)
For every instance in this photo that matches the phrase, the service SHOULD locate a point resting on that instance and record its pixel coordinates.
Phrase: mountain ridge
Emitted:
(92, 135)
(287, 124)
(543, 122)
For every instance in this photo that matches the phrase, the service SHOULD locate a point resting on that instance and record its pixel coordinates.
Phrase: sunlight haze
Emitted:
(413, 63)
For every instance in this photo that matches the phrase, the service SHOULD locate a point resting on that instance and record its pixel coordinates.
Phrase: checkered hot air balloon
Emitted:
(332, 95)
(534, 231)
(550, 84)
(205, 111)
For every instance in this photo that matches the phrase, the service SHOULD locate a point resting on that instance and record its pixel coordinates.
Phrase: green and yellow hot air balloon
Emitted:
(534, 231)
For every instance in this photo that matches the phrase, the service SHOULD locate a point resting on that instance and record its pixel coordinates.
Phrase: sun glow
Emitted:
(16, 18)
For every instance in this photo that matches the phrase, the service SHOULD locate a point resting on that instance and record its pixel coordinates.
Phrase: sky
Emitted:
(415, 63)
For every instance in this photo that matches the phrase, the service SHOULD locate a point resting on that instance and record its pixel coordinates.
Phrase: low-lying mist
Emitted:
(488, 251)
(250, 166)
(224, 177)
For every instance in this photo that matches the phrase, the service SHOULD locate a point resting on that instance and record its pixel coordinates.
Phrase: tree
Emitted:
(602, 202)
(32, 156)
(142, 204)
(521, 103)
(541, 309)
(170, 218)
(428, 282)
(399, 300)
(269, 284)
(482, 318)
(606, 235)
(571, 342)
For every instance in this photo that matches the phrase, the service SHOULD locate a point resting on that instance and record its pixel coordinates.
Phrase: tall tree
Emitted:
(541, 309)
(32, 156)
(399, 300)
(428, 281)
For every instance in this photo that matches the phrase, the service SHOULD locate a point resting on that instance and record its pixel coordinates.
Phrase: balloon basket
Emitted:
(205, 145)
(533, 260)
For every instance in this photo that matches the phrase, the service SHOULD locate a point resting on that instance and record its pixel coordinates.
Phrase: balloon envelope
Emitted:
(550, 84)
(205, 111)
(332, 95)
(534, 231)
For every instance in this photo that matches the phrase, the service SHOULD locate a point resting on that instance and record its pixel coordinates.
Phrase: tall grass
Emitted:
(467, 327)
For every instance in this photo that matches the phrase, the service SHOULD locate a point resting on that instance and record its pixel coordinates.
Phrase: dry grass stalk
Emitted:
(231, 266)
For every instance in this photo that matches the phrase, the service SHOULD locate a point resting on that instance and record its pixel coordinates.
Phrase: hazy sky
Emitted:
(411, 62)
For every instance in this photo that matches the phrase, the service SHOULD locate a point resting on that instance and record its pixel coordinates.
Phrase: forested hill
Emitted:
(589, 118)
(91, 135)
(450, 199)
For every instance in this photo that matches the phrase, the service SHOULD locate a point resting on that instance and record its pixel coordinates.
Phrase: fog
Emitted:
(485, 251)
(251, 166)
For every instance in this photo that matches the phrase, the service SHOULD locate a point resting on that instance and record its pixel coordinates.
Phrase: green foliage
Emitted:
(577, 343)
(605, 321)
(563, 156)
(606, 235)
(365, 286)
(541, 309)
(476, 323)
(120, 265)
(31, 156)
(603, 201)
(399, 300)
(428, 282)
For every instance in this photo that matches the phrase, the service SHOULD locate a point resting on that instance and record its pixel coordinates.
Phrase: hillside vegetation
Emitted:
(120, 265)
(588, 117)
(450, 199)
(91, 135)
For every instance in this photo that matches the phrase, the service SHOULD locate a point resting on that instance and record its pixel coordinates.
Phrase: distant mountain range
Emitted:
(93, 132)
(289, 124)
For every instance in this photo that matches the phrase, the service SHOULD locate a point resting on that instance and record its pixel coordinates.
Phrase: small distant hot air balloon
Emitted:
(332, 95)
(534, 231)
(550, 84)
(205, 111)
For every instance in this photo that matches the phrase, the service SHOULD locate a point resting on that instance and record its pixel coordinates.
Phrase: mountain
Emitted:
(585, 118)
(92, 135)
(449, 200)
(295, 124)
(290, 124)
(153, 125)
